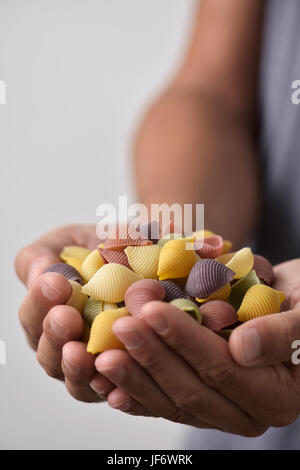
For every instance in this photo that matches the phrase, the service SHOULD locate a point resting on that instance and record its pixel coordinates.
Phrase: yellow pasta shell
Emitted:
(110, 283)
(93, 307)
(102, 337)
(74, 262)
(241, 262)
(220, 294)
(227, 246)
(175, 261)
(74, 251)
(144, 259)
(259, 300)
(202, 234)
(77, 298)
(91, 264)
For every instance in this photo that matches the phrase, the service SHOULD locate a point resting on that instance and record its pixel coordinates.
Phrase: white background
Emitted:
(78, 75)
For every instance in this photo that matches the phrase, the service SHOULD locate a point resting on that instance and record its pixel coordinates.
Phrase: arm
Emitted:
(201, 133)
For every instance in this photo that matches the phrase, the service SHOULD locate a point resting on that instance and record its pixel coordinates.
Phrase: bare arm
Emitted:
(198, 141)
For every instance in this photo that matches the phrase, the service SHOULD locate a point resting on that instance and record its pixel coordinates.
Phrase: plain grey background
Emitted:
(78, 76)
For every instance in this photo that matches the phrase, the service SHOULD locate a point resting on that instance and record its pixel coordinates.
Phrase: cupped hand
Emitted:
(181, 371)
(52, 328)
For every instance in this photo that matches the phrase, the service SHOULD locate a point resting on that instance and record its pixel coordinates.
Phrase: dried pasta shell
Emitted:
(169, 236)
(217, 314)
(123, 239)
(241, 262)
(142, 292)
(201, 234)
(175, 261)
(65, 270)
(240, 288)
(94, 307)
(75, 263)
(264, 269)
(114, 256)
(189, 307)
(74, 251)
(150, 231)
(144, 259)
(227, 245)
(221, 294)
(91, 264)
(225, 334)
(207, 277)
(77, 299)
(172, 290)
(211, 248)
(259, 300)
(86, 332)
(102, 337)
(110, 283)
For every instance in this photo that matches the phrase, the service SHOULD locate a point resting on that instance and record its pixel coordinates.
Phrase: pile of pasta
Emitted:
(199, 274)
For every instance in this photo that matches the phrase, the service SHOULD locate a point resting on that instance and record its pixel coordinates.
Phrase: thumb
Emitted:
(266, 340)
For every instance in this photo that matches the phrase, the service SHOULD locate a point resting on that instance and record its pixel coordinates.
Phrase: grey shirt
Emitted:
(278, 236)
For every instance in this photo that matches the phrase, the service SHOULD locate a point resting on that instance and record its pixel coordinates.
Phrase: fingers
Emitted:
(32, 260)
(61, 325)
(48, 290)
(266, 340)
(184, 388)
(128, 376)
(121, 400)
(79, 367)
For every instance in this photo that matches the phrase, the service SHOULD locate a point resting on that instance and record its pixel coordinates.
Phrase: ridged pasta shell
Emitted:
(241, 262)
(142, 292)
(175, 261)
(240, 288)
(65, 270)
(201, 234)
(114, 256)
(212, 247)
(110, 283)
(227, 245)
(77, 299)
(123, 239)
(217, 314)
(264, 269)
(74, 251)
(172, 290)
(144, 259)
(91, 264)
(189, 307)
(171, 236)
(150, 231)
(260, 300)
(207, 277)
(94, 307)
(86, 332)
(221, 294)
(102, 337)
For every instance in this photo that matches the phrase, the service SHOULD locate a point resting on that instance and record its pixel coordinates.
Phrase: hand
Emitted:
(184, 372)
(53, 329)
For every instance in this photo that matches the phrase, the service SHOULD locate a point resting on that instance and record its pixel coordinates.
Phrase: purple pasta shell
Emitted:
(173, 291)
(207, 276)
(264, 270)
(66, 270)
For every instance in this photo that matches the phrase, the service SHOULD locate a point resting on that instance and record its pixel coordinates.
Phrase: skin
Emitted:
(202, 131)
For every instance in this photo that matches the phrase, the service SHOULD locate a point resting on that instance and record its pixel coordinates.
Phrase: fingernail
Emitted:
(130, 338)
(95, 387)
(49, 290)
(250, 344)
(56, 325)
(158, 323)
(123, 406)
(116, 374)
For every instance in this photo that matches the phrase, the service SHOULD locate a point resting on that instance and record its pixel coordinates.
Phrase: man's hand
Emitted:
(184, 372)
(53, 329)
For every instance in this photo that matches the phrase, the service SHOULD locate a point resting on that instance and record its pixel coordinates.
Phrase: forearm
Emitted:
(192, 149)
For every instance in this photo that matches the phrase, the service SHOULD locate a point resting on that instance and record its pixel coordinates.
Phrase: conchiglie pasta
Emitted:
(77, 298)
(221, 294)
(241, 262)
(260, 300)
(91, 264)
(110, 283)
(175, 260)
(144, 259)
(102, 337)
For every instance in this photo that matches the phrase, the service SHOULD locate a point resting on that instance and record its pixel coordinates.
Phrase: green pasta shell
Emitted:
(189, 307)
(240, 288)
